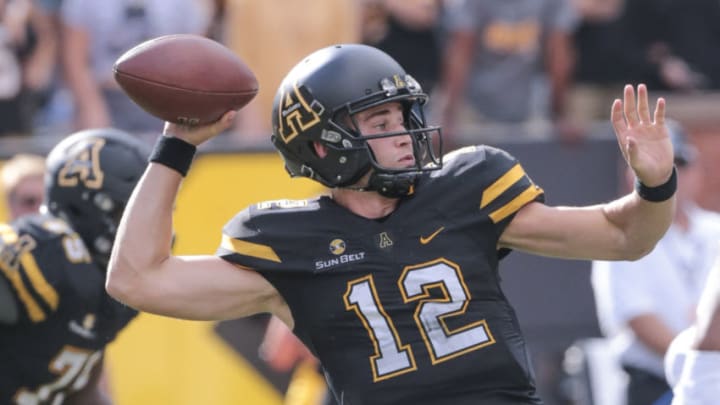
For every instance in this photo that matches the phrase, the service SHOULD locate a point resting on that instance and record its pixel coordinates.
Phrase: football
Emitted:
(186, 79)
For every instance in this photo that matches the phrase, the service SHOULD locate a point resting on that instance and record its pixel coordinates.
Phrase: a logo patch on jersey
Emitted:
(384, 240)
(338, 247)
(424, 240)
(84, 329)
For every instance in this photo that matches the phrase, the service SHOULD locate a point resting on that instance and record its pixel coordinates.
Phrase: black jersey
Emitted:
(65, 316)
(407, 309)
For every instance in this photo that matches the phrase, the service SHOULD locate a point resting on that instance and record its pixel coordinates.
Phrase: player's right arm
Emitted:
(145, 275)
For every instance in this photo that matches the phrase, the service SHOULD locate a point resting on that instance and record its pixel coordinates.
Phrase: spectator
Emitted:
(632, 297)
(600, 36)
(497, 54)
(676, 36)
(22, 183)
(27, 56)
(96, 33)
(661, 43)
(408, 31)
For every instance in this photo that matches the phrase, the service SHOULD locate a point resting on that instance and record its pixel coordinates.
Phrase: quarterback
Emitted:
(391, 279)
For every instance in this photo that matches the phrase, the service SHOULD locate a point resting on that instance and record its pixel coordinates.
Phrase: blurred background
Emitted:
(536, 78)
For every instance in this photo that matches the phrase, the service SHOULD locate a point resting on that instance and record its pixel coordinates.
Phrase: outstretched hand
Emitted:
(644, 140)
(199, 134)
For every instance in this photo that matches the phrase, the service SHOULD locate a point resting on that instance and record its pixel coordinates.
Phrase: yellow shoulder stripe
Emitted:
(38, 281)
(250, 249)
(12, 273)
(501, 184)
(34, 311)
(516, 203)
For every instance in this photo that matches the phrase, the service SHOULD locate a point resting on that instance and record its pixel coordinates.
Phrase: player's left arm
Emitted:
(623, 229)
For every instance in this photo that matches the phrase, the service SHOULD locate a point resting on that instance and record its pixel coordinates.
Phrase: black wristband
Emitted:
(173, 153)
(659, 193)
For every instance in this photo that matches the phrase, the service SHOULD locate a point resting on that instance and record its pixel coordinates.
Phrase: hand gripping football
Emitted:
(185, 79)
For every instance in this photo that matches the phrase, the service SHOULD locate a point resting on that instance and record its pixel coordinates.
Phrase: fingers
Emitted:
(616, 117)
(229, 116)
(225, 121)
(660, 112)
(631, 114)
(643, 108)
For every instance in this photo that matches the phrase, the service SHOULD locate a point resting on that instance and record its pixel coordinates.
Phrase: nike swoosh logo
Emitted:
(426, 239)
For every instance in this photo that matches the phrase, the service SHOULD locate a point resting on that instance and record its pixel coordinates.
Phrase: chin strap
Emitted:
(394, 185)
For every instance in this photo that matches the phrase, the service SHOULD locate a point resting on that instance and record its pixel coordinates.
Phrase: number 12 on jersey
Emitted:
(392, 357)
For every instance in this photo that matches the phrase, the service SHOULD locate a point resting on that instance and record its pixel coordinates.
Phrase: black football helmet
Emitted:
(89, 178)
(316, 102)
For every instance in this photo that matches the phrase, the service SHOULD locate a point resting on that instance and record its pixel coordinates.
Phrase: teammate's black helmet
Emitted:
(89, 178)
(316, 101)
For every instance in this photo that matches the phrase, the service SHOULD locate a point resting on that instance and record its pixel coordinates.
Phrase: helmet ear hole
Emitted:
(319, 149)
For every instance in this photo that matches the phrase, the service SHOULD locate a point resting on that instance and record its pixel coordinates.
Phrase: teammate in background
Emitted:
(391, 280)
(632, 297)
(692, 363)
(22, 183)
(55, 317)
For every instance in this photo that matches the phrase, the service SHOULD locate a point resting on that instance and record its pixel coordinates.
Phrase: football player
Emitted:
(55, 316)
(392, 279)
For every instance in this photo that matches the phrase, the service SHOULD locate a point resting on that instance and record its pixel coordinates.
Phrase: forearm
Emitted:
(641, 223)
(652, 332)
(710, 337)
(77, 72)
(85, 92)
(456, 68)
(559, 66)
(41, 63)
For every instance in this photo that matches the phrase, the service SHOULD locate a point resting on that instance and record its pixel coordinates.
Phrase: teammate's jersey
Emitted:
(407, 309)
(65, 316)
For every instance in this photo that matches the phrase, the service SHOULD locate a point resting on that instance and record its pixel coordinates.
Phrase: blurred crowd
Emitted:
(495, 68)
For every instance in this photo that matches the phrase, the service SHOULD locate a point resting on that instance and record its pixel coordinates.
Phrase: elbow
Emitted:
(636, 253)
(635, 250)
(115, 287)
(123, 283)
(119, 287)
